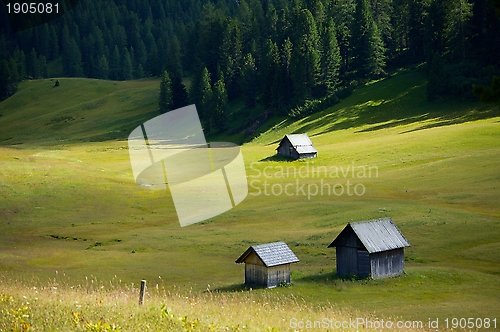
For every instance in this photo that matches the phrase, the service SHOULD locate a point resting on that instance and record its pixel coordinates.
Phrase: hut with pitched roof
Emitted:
(297, 146)
(267, 265)
(370, 248)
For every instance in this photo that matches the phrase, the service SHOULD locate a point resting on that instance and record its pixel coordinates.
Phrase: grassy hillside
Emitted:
(77, 110)
(70, 210)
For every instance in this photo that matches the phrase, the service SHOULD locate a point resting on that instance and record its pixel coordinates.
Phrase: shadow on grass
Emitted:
(397, 101)
(332, 278)
(278, 157)
(234, 288)
(439, 119)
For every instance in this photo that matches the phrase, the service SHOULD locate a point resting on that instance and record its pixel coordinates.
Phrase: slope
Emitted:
(74, 208)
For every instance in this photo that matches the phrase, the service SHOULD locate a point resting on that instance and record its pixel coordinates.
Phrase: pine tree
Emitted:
(33, 65)
(103, 68)
(270, 72)
(330, 58)
(73, 60)
(115, 72)
(139, 73)
(286, 63)
(42, 62)
(220, 105)
(417, 12)
(435, 84)
(165, 100)
(174, 58)
(231, 58)
(489, 94)
(126, 65)
(249, 80)
(8, 83)
(200, 93)
(179, 93)
(368, 47)
(343, 15)
(457, 29)
(435, 25)
(305, 62)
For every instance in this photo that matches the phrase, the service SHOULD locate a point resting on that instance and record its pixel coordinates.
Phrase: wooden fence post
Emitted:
(143, 291)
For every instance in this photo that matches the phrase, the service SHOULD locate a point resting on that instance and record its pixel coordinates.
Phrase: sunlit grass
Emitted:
(113, 306)
(70, 205)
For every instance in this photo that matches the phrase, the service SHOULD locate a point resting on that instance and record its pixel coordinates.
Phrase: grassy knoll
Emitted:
(68, 203)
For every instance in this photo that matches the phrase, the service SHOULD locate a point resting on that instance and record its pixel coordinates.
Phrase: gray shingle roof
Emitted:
(271, 254)
(377, 235)
(299, 139)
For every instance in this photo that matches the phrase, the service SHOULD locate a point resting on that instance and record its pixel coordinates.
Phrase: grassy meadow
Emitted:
(77, 234)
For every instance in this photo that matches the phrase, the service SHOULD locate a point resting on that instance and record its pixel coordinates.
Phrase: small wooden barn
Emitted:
(370, 248)
(297, 146)
(267, 265)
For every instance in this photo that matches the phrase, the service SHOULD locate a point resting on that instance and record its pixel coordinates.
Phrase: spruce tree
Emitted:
(305, 62)
(368, 47)
(330, 57)
(489, 94)
(165, 100)
(200, 93)
(115, 72)
(102, 68)
(220, 105)
(33, 65)
(457, 29)
(269, 69)
(286, 63)
(249, 80)
(174, 58)
(126, 64)
(8, 83)
(435, 84)
(179, 93)
(231, 58)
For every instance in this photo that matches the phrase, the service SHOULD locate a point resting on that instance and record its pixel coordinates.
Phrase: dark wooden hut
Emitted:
(267, 265)
(370, 248)
(297, 146)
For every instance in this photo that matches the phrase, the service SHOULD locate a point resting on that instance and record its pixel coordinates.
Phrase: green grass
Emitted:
(77, 110)
(68, 202)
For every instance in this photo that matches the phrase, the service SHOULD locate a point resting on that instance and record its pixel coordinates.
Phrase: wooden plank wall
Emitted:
(278, 274)
(284, 148)
(363, 264)
(347, 260)
(387, 263)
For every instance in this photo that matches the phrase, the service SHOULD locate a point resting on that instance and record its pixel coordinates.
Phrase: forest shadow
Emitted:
(397, 101)
(438, 119)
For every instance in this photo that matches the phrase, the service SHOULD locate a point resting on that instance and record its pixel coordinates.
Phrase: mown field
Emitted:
(71, 214)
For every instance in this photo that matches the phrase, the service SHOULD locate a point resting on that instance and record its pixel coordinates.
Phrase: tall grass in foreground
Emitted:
(112, 306)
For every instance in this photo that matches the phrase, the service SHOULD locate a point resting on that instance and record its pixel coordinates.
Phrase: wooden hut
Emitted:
(370, 248)
(267, 265)
(297, 146)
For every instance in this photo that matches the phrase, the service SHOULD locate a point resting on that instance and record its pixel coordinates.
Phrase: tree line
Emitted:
(285, 55)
